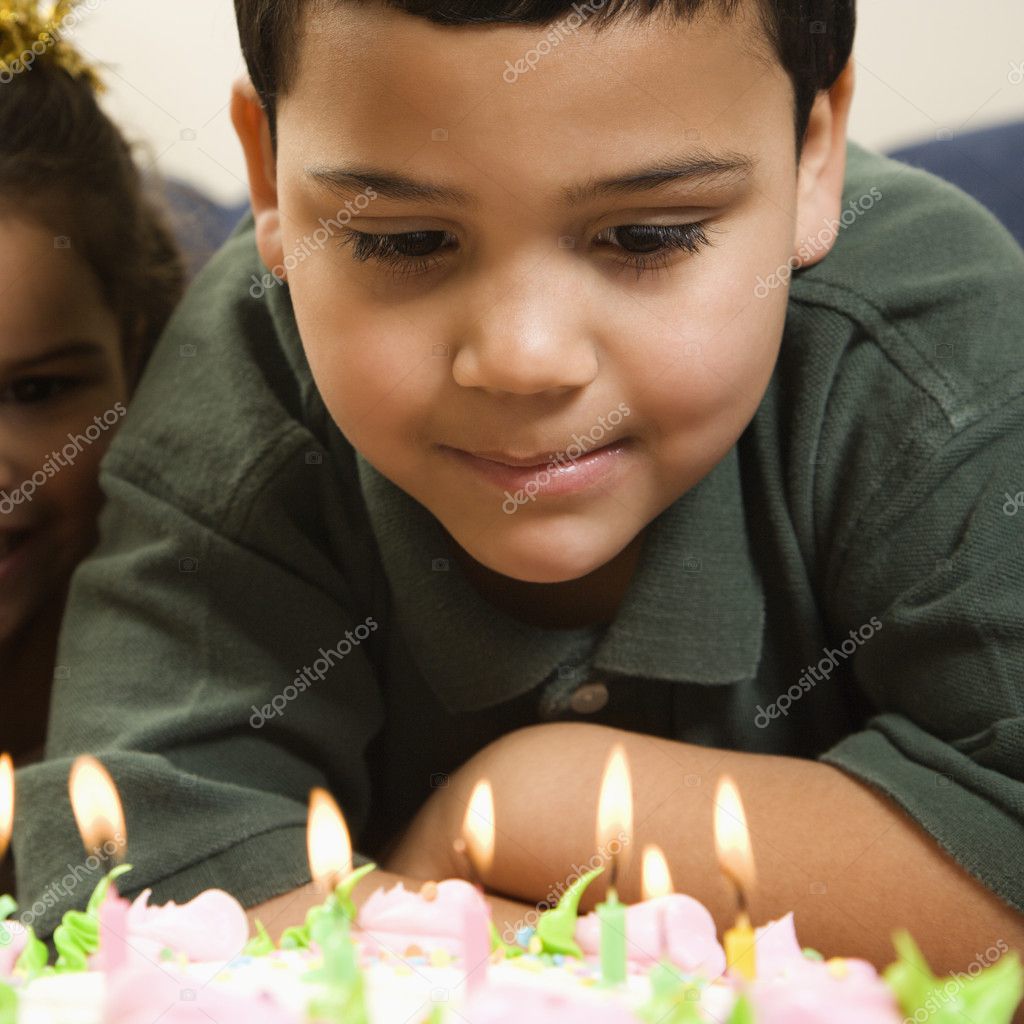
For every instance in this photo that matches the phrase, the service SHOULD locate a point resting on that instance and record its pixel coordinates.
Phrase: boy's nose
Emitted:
(526, 351)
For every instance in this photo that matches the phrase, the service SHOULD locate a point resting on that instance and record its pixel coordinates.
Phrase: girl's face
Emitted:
(62, 392)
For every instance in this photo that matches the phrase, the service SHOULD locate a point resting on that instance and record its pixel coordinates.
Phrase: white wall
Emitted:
(923, 67)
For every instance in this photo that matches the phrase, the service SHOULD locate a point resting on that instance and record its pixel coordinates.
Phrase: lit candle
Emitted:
(100, 819)
(736, 860)
(656, 881)
(97, 809)
(476, 847)
(330, 854)
(330, 863)
(614, 821)
(6, 803)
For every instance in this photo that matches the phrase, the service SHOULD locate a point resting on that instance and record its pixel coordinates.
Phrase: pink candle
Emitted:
(476, 941)
(112, 954)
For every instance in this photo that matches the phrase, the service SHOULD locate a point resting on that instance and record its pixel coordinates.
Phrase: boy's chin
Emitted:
(544, 554)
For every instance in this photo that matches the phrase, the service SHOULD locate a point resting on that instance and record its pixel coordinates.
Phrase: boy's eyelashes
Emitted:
(646, 246)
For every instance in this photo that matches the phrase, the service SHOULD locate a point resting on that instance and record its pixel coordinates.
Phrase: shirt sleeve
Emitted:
(937, 556)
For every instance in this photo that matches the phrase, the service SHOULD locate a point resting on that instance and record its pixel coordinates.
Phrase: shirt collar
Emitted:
(694, 611)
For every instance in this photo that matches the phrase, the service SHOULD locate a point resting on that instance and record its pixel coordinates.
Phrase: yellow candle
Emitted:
(739, 948)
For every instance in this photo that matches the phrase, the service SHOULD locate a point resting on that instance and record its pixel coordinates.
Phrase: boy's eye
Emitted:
(36, 390)
(647, 246)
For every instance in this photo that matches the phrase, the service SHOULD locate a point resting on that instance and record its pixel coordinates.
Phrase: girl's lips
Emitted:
(560, 475)
(16, 550)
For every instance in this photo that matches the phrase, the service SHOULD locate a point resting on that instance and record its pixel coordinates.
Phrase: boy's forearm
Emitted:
(289, 909)
(851, 865)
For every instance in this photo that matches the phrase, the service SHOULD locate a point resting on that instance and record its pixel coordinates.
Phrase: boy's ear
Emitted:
(253, 130)
(822, 172)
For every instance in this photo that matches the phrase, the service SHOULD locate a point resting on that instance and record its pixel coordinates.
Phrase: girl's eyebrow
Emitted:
(69, 348)
(699, 165)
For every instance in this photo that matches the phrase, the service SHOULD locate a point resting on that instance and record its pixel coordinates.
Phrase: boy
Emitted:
(368, 524)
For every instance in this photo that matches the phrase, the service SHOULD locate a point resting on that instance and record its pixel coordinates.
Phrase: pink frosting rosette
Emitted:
(211, 927)
(11, 946)
(691, 942)
(790, 988)
(395, 919)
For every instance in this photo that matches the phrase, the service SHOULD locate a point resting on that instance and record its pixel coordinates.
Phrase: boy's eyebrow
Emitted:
(71, 348)
(692, 166)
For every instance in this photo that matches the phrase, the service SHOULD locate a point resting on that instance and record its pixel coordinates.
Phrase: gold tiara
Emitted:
(31, 31)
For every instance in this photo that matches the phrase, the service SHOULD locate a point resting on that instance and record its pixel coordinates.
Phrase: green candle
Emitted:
(612, 916)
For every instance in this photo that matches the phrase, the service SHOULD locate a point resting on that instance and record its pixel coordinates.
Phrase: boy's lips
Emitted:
(549, 474)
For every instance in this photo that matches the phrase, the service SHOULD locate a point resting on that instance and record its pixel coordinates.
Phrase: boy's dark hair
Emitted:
(64, 164)
(812, 39)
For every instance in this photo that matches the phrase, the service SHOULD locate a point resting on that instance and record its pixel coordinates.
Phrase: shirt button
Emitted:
(589, 698)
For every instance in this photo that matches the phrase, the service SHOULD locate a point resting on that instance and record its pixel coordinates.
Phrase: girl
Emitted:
(89, 274)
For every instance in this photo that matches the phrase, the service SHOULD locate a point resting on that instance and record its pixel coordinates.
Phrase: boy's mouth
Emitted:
(550, 473)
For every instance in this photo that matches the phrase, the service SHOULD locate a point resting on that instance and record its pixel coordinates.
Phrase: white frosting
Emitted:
(397, 991)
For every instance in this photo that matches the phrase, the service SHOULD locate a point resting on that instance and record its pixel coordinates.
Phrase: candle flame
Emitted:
(327, 840)
(656, 878)
(615, 807)
(6, 802)
(732, 838)
(478, 826)
(97, 808)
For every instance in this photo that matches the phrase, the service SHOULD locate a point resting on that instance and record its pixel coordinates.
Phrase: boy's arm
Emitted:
(850, 864)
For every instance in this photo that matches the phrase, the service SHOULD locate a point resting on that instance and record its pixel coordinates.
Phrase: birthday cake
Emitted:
(407, 958)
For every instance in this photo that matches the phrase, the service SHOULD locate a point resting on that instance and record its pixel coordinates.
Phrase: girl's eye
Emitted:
(647, 246)
(36, 390)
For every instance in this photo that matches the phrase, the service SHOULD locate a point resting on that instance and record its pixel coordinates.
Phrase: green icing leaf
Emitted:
(7, 907)
(742, 1012)
(301, 936)
(77, 937)
(674, 998)
(100, 892)
(992, 995)
(261, 944)
(8, 1005)
(556, 928)
(498, 943)
(343, 999)
(812, 954)
(33, 958)
(436, 1015)
(343, 892)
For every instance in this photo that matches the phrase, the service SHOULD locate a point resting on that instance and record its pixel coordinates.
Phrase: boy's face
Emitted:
(530, 330)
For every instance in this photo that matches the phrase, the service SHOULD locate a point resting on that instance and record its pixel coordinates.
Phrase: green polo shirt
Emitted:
(265, 612)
